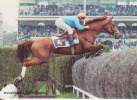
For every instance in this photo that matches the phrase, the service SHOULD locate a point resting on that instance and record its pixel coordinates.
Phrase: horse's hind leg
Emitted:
(26, 63)
(33, 61)
(38, 58)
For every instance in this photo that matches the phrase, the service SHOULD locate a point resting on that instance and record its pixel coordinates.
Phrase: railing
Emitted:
(53, 18)
(83, 93)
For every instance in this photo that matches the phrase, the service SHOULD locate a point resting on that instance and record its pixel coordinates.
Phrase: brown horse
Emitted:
(41, 49)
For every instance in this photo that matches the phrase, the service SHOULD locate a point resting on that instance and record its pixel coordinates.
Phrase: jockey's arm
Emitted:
(58, 35)
(78, 26)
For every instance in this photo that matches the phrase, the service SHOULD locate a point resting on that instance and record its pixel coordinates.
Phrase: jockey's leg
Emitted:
(70, 33)
(71, 40)
(61, 24)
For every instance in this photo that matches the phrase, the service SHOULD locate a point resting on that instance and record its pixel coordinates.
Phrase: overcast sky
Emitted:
(9, 10)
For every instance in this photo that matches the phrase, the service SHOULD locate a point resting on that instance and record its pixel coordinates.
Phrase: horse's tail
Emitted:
(24, 49)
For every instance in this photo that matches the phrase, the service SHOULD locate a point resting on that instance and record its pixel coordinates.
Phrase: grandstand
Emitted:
(33, 12)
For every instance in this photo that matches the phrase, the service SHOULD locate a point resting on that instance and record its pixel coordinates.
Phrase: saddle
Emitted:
(61, 40)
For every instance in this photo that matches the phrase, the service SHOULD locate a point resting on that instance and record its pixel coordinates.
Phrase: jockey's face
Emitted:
(81, 19)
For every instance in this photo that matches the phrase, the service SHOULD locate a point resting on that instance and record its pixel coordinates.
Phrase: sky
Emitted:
(9, 10)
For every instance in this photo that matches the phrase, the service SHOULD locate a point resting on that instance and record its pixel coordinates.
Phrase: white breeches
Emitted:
(61, 24)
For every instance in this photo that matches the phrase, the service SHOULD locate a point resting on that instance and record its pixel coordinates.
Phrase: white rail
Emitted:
(84, 93)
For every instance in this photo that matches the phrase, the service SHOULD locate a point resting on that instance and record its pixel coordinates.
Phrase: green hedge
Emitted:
(60, 70)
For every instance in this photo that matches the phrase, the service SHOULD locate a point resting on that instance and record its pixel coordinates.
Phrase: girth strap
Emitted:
(72, 50)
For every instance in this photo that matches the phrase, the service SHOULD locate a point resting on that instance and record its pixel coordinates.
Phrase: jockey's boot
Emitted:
(71, 40)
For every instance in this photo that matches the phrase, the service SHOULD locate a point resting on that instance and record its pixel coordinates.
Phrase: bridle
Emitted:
(113, 30)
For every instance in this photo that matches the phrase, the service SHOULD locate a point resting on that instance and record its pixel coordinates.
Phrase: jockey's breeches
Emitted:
(61, 24)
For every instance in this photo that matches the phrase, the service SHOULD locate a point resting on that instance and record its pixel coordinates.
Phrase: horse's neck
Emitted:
(89, 35)
(98, 26)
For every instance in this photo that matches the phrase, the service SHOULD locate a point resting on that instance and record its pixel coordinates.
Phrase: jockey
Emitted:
(68, 22)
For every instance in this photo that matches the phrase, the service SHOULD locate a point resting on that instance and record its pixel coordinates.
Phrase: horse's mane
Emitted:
(96, 20)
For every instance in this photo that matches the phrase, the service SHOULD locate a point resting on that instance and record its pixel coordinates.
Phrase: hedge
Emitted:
(111, 75)
(60, 70)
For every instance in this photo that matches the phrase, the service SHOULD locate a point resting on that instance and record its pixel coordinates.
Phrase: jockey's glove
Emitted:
(87, 26)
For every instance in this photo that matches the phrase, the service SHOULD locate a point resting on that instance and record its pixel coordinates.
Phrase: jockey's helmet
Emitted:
(82, 15)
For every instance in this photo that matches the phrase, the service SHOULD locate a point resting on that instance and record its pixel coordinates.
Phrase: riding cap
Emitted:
(82, 15)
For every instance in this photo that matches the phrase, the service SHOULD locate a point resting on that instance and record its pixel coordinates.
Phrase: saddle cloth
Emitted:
(62, 41)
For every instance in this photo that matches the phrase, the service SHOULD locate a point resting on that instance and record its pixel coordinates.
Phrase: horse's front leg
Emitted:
(95, 50)
(92, 47)
(96, 46)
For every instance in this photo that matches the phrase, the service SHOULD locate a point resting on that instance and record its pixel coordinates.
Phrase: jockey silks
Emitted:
(74, 22)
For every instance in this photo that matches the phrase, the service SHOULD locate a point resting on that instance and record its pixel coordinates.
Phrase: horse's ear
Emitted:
(110, 17)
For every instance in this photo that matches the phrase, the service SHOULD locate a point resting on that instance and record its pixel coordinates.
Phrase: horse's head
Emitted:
(111, 28)
(104, 24)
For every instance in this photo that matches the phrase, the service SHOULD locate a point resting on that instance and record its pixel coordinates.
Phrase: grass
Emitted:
(41, 88)
(42, 91)
(66, 96)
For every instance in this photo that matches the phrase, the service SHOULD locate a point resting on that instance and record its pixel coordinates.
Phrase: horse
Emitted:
(41, 49)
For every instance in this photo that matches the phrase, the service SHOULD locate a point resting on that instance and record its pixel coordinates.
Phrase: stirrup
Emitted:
(71, 40)
(72, 43)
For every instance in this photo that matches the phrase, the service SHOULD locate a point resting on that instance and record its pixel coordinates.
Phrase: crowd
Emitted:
(50, 30)
(68, 10)
(36, 31)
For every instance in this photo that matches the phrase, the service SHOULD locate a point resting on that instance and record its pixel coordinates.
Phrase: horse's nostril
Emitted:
(117, 37)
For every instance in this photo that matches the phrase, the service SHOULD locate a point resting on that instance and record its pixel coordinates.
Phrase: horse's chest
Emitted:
(90, 39)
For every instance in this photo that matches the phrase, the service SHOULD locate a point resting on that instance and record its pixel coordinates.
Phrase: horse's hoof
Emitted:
(87, 56)
(101, 49)
(18, 80)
